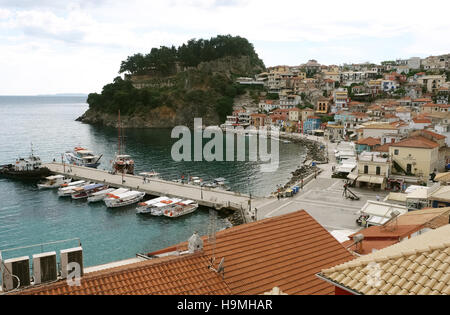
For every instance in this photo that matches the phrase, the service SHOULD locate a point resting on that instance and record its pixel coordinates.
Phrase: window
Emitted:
(366, 169)
(395, 152)
(378, 170)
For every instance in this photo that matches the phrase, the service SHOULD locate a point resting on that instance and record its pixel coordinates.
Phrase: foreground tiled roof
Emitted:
(285, 252)
(185, 275)
(379, 237)
(418, 266)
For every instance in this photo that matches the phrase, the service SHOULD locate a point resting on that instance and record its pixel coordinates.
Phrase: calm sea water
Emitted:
(30, 216)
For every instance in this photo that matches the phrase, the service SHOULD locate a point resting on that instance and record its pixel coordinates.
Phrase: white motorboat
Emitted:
(158, 209)
(66, 190)
(82, 157)
(87, 191)
(102, 194)
(181, 208)
(218, 183)
(145, 207)
(54, 181)
(125, 199)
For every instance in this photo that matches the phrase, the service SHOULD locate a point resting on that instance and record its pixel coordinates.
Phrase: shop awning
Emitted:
(376, 179)
(371, 179)
(364, 179)
(352, 176)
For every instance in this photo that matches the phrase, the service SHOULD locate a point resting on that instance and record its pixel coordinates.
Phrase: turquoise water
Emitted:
(30, 216)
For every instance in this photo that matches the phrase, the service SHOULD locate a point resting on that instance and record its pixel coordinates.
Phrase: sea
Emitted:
(30, 217)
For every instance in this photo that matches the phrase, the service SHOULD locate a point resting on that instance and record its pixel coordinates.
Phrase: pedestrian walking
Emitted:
(378, 198)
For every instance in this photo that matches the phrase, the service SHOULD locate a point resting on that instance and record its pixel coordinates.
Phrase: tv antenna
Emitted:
(212, 227)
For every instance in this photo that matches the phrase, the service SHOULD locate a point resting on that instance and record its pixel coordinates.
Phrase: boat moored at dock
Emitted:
(87, 191)
(146, 206)
(100, 195)
(66, 190)
(122, 200)
(82, 157)
(54, 181)
(27, 169)
(181, 208)
(158, 208)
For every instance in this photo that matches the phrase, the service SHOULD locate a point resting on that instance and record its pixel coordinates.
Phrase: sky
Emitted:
(76, 46)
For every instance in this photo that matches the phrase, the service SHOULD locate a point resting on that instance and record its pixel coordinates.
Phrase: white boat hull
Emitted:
(117, 203)
(174, 213)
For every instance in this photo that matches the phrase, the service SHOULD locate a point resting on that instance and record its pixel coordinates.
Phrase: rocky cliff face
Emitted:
(182, 108)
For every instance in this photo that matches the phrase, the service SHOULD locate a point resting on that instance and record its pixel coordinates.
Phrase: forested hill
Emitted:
(171, 86)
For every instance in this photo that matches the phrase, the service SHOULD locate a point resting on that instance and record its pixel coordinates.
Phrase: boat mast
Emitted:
(119, 132)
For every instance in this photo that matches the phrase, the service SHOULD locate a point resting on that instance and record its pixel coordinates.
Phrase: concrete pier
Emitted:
(214, 198)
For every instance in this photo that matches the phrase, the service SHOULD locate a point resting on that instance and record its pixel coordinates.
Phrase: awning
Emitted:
(376, 220)
(352, 176)
(371, 179)
(376, 179)
(364, 178)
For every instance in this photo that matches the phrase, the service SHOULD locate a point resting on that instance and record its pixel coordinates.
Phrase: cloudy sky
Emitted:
(76, 46)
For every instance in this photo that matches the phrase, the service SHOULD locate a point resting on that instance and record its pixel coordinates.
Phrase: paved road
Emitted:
(323, 199)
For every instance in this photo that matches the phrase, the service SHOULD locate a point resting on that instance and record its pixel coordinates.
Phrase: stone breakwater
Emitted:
(316, 152)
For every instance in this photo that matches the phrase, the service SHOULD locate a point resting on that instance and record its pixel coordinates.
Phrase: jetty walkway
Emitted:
(213, 198)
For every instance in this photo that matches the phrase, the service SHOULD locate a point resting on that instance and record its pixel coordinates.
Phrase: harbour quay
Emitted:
(204, 196)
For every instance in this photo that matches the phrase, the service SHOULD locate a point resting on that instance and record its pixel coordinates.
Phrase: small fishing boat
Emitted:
(67, 189)
(54, 181)
(149, 175)
(100, 195)
(87, 191)
(195, 181)
(146, 206)
(218, 183)
(82, 157)
(158, 208)
(125, 199)
(181, 208)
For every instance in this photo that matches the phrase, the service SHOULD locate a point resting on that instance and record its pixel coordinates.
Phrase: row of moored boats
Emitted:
(118, 197)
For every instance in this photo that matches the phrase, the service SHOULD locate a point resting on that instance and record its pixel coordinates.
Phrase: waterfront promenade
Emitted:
(214, 198)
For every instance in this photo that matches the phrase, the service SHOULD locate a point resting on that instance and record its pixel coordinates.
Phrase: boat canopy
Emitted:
(103, 192)
(185, 202)
(168, 202)
(85, 152)
(93, 186)
(54, 177)
(126, 195)
(120, 191)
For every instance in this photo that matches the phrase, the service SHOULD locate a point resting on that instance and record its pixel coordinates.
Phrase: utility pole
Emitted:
(250, 194)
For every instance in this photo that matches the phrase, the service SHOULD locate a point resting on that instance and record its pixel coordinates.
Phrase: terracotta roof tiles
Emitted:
(284, 251)
(420, 265)
(185, 275)
(416, 142)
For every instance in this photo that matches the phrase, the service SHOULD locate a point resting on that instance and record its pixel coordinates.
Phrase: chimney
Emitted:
(195, 243)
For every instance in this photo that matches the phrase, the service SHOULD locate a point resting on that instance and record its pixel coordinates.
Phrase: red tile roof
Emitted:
(433, 134)
(382, 148)
(416, 142)
(422, 121)
(285, 252)
(185, 275)
(369, 141)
